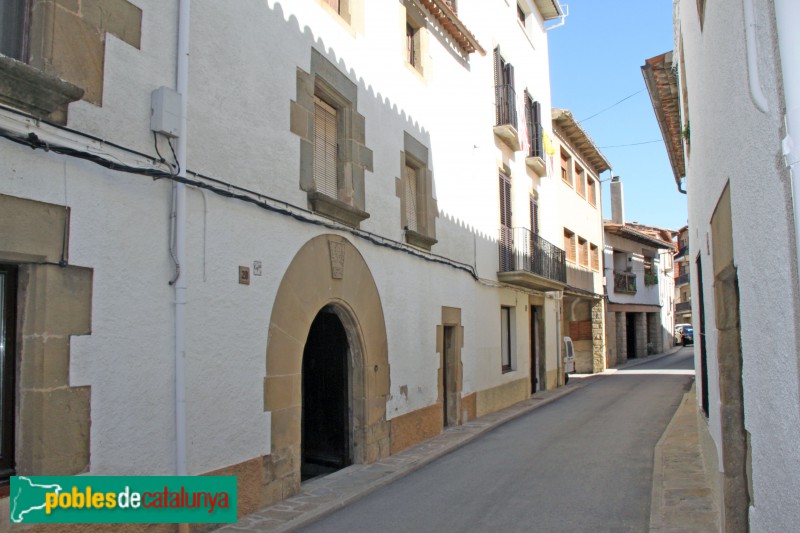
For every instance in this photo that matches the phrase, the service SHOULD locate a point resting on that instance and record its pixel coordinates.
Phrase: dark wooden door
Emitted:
(325, 412)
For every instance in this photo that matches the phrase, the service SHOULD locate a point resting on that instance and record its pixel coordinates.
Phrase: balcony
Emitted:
(683, 307)
(682, 280)
(530, 261)
(625, 282)
(581, 278)
(506, 116)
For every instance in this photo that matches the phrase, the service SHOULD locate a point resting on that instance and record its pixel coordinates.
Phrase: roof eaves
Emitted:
(450, 23)
(579, 138)
(550, 9)
(662, 85)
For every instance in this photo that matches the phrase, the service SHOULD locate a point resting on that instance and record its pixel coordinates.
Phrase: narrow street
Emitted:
(582, 463)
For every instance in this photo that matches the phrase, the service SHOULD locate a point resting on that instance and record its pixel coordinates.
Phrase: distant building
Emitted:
(683, 279)
(727, 99)
(639, 286)
(578, 163)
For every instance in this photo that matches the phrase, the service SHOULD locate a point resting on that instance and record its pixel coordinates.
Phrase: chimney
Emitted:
(617, 201)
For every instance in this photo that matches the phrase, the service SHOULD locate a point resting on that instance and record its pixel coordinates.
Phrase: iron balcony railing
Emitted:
(536, 148)
(625, 282)
(505, 99)
(521, 249)
(682, 307)
(682, 279)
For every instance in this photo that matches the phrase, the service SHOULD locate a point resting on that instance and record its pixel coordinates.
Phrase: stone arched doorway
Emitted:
(328, 273)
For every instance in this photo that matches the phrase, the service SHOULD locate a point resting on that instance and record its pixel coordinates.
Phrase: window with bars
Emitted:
(583, 252)
(580, 181)
(325, 148)
(412, 214)
(591, 190)
(506, 231)
(595, 253)
(566, 167)
(569, 244)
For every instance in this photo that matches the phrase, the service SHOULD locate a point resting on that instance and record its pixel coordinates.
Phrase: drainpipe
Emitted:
(787, 13)
(752, 58)
(180, 244)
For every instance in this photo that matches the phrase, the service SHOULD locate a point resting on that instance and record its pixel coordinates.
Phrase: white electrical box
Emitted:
(165, 112)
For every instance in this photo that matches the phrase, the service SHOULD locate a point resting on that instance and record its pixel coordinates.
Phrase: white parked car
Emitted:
(569, 359)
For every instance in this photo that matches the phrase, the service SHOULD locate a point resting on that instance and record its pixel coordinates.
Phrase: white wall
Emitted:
(243, 64)
(732, 142)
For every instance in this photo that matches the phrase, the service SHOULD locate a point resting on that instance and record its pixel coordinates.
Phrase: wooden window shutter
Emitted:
(534, 216)
(411, 198)
(506, 232)
(537, 146)
(325, 149)
(529, 122)
(508, 74)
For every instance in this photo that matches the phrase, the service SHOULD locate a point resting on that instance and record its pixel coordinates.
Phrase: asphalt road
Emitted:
(582, 463)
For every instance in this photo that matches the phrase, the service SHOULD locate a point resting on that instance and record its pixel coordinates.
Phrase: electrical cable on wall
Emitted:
(33, 141)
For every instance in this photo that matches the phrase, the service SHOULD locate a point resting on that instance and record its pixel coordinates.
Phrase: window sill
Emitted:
(419, 240)
(509, 135)
(568, 184)
(336, 209)
(31, 90)
(537, 164)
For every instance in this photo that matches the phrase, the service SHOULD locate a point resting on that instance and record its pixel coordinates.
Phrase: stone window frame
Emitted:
(55, 71)
(416, 155)
(328, 83)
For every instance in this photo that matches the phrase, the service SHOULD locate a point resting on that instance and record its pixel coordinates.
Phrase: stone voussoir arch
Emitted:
(327, 271)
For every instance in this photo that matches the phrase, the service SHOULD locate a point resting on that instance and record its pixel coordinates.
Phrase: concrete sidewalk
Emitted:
(325, 495)
(681, 499)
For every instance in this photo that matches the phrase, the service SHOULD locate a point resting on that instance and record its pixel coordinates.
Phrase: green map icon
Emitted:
(28, 499)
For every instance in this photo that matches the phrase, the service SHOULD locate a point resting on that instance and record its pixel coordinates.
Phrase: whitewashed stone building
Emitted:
(270, 240)
(728, 102)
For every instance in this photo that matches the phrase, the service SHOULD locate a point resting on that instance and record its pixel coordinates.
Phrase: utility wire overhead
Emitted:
(612, 105)
(631, 144)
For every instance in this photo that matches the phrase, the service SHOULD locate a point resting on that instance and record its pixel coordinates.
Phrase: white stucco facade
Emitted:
(736, 145)
(244, 68)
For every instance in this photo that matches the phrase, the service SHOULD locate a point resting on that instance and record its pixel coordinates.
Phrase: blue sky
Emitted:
(595, 61)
